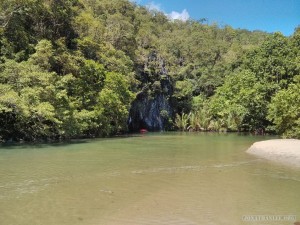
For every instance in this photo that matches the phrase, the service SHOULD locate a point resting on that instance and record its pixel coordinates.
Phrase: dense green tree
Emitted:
(241, 100)
(27, 96)
(284, 110)
(274, 61)
(43, 55)
(114, 102)
(89, 83)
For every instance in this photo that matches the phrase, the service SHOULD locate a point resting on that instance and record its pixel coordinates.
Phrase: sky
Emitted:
(264, 15)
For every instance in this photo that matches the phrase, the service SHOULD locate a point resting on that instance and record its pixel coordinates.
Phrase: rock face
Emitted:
(152, 111)
(149, 113)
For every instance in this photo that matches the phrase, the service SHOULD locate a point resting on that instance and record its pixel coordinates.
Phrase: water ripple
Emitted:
(29, 186)
(190, 168)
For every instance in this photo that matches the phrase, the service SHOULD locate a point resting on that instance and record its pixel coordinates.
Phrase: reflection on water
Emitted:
(168, 178)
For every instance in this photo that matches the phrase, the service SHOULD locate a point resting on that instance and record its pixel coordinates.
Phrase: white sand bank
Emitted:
(286, 151)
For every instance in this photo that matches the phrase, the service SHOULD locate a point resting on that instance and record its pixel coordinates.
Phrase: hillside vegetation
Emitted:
(72, 68)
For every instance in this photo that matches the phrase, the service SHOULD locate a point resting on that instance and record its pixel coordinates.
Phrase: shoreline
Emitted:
(283, 151)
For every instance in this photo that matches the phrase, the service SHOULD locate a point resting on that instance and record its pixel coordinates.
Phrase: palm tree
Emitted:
(205, 118)
(182, 121)
(194, 122)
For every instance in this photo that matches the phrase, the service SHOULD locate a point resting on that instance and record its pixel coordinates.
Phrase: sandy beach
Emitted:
(284, 151)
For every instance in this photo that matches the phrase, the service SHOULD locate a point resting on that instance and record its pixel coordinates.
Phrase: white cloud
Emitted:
(154, 6)
(183, 16)
(135, 1)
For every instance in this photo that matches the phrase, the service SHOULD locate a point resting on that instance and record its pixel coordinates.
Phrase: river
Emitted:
(151, 179)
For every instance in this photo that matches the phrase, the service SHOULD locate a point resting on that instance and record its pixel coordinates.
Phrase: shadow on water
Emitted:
(69, 142)
(20, 145)
(60, 143)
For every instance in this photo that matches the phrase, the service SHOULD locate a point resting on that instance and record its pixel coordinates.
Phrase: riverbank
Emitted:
(284, 151)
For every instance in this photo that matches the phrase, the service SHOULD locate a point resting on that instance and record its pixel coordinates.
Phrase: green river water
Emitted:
(151, 179)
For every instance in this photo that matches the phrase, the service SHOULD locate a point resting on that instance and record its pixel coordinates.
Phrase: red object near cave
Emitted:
(143, 131)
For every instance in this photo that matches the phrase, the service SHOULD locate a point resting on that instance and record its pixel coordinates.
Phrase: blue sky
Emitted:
(265, 15)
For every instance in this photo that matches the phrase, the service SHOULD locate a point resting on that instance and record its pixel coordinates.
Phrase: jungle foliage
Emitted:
(71, 68)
